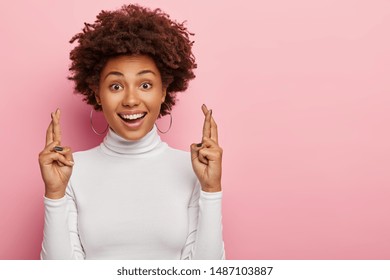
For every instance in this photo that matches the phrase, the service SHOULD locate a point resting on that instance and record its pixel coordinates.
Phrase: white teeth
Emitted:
(132, 117)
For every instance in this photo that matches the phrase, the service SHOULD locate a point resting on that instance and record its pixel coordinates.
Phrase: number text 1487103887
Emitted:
(236, 270)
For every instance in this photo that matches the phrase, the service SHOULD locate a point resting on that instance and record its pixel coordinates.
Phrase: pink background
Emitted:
(300, 90)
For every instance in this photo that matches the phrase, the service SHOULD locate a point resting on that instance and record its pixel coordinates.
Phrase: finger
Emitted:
(214, 130)
(207, 122)
(204, 109)
(202, 158)
(211, 155)
(195, 148)
(55, 148)
(50, 147)
(63, 160)
(65, 151)
(56, 126)
(208, 143)
(61, 150)
(49, 158)
(49, 134)
(213, 124)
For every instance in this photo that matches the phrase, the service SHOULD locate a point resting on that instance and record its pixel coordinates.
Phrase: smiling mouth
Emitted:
(130, 118)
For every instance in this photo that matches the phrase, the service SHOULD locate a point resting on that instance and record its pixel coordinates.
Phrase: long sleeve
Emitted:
(205, 228)
(133, 200)
(60, 235)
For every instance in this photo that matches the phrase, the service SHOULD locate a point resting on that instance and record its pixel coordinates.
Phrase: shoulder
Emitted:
(178, 156)
(178, 159)
(87, 155)
(177, 152)
(180, 165)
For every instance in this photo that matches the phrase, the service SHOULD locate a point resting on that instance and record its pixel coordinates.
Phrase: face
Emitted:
(131, 93)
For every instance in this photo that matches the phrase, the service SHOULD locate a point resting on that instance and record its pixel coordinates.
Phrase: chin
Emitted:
(133, 135)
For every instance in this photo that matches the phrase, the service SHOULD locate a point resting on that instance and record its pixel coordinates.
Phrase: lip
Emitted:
(133, 125)
(131, 112)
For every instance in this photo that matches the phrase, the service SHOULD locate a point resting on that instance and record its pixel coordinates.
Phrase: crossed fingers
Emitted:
(210, 130)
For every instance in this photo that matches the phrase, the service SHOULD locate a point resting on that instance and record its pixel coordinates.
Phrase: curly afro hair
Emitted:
(133, 30)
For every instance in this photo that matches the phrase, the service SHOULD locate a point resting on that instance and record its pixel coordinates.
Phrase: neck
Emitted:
(115, 145)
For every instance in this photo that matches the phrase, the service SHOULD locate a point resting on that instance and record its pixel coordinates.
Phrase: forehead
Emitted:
(130, 64)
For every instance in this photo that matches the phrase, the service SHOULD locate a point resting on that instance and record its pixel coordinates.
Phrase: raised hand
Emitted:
(55, 161)
(207, 156)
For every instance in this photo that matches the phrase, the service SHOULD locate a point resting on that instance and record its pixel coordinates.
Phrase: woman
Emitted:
(132, 197)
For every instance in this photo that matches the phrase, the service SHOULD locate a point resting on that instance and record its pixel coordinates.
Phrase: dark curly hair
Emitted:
(133, 30)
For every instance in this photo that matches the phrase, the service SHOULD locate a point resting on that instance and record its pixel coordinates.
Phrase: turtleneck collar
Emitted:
(115, 145)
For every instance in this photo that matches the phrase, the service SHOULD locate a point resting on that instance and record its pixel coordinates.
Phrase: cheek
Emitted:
(153, 100)
(157, 105)
(109, 100)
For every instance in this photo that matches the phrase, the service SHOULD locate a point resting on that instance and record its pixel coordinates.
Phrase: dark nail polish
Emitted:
(58, 149)
(199, 145)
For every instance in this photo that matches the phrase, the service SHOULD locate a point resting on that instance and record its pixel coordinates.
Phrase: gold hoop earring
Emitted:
(93, 129)
(170, 125)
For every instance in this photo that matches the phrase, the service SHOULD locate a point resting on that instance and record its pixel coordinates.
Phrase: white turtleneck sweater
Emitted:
(133, 200)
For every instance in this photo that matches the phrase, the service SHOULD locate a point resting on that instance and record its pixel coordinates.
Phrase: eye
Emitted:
(146, 85)
(116, 87)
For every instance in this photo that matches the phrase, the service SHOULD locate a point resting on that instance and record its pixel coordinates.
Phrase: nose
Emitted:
(130, 98)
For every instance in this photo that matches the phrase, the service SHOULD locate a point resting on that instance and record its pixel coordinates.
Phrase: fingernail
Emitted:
(211, 112)
(199, 145)
(58, 148)
(71, 162)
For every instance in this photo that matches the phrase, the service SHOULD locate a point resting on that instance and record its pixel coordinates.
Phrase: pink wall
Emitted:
(300, 90)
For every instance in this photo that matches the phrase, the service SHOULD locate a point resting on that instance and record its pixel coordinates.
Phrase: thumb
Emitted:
(196, 155)
(195, 149)
(66, 152)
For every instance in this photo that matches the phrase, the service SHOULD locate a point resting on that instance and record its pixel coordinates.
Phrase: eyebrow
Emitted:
(113, 73)
(142, 72)
(147, 71)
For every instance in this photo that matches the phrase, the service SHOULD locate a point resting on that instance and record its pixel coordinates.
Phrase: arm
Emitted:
(60, 230)
(205, 227)
(61, 239)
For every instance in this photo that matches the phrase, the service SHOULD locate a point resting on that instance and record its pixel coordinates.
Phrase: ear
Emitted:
(164, 94)
(96, 92)
(97, 97)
